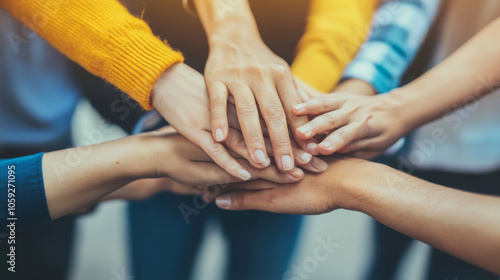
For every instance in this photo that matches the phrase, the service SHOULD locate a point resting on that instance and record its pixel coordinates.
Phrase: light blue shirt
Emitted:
(38, 94)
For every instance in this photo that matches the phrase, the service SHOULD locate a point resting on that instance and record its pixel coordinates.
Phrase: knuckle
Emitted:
(254, 140)
(323, 104)
(216, 150)
(274, 111)
(331, 119)
(246, 108)
(240, 142)
(218, 100)
(238, 200)
(342, 135)
(283, 143)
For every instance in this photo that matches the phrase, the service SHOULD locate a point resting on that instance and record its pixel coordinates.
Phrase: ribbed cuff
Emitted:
(139, 59)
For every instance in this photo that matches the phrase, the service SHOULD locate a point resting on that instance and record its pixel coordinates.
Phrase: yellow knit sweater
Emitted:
(105, 39)
(334, 33)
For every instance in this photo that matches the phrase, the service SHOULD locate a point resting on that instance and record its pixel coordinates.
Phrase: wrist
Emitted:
(356, 86)
(403, 104)
(235, 31)
(362, 191)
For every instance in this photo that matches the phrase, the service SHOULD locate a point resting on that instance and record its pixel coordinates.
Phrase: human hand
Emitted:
(181, 97)
(359, 125)
(242, 66)
(338, 187)
(235, 143)
(173, 156)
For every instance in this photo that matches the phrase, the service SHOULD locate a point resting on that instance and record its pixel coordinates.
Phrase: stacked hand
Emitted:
(354, 124)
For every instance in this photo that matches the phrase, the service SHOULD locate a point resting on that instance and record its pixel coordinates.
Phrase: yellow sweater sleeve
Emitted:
(335, 30)
(103, 37)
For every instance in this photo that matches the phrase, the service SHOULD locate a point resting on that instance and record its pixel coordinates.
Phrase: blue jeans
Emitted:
(164, 246)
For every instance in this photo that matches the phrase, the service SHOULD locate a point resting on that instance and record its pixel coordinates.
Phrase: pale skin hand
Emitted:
(241, 65)
(103, 168)
(422, 210)
(369, 125)
(353, 122)
(181, 97)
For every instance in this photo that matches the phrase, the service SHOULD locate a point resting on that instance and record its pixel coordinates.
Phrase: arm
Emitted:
(463, 224)
(375, 123)
(62, 182)
(240, 64)
(334, 32)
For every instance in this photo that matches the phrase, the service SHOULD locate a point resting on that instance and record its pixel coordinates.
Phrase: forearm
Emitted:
(356, 86)
(467, 75)
(463, 224)
(77, 177)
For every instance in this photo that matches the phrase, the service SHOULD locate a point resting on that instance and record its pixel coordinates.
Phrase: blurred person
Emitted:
(458, 150)
(327, 38)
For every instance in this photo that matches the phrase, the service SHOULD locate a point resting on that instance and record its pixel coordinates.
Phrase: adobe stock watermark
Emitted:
(199, 203)
(324, 248)
(455, 118)
(380, 19)
(37, 19)
(75, 157)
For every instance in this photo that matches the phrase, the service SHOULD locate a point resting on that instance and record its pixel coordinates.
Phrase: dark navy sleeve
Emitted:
(22, 193)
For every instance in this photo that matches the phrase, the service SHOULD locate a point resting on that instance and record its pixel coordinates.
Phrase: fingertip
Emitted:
(304, 132)
(299, 109)
(319, 164)
(325, 148)
(244, 174)
(297, 173)
(260, 157)
(303, 157)
(219, 135)
(287, 163)
(312, 148)
(223, 201)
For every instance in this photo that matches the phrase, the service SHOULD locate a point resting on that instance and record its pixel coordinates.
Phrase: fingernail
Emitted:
(219, 135)
(327, 146)
(297, 173)
(287, 163)
(244, 174)
(319, 164)
(312, 148)
(306, 157)
(223, 201)
(299, 107)
(306, 130)
(260, 157)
